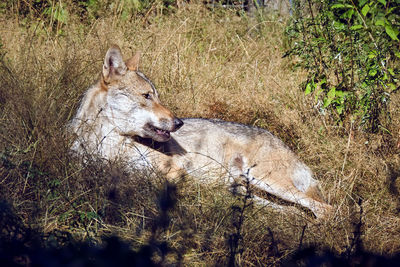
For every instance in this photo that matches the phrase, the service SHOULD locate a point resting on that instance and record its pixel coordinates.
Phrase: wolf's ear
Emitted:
(113, 64)
(133, 62)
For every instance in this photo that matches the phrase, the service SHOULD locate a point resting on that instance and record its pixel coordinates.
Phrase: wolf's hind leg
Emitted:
(275, 206)
(297, 190)
(241, 190)
(293, 194)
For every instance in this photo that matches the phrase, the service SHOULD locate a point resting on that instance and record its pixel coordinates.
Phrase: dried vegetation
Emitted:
(205, 64)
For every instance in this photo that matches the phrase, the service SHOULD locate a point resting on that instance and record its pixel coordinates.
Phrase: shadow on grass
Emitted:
(21, 245)
(25, 246)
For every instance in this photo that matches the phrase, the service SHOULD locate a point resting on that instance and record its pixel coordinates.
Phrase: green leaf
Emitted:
(338, 25)
(397, 54)
(58, 13)
(308, 88)
(327, 102)
(365, 10)
(356, 27)
(339, 93)
(372, 54)
(361, 3)
(372, 72)
(340, 109)
(383, 2)
(332, 93)
(390, 10)
(336, 6)
(380, 22)
(348, 14)
(391, 32)
(392, 86)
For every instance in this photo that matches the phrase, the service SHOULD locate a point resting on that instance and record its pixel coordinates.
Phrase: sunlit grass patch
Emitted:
(205, 64)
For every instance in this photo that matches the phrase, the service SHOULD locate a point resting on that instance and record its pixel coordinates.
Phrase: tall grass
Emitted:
(205, 64)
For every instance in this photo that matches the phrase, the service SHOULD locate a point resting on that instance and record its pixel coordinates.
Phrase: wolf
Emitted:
(121, 117)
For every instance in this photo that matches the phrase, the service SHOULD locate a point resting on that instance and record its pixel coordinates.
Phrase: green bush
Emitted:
(351, 52)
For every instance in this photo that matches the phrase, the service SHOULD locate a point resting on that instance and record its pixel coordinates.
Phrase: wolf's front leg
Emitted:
(169, 168)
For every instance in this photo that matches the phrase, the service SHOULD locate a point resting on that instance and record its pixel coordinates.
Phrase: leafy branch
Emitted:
(351, 52)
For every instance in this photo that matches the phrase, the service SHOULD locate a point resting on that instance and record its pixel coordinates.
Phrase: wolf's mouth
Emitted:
(159, 133)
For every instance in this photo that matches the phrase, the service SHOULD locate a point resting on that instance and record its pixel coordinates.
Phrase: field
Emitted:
(211, 63)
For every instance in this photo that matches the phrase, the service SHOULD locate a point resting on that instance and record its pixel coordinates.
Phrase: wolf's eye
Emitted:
(147, 96)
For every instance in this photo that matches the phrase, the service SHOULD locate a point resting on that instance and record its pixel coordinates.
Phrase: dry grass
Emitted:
(205, 64)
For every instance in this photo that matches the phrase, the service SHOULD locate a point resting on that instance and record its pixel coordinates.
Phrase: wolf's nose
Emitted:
(178, 123)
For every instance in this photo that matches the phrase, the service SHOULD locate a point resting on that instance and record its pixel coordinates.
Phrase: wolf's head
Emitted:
(132, 103)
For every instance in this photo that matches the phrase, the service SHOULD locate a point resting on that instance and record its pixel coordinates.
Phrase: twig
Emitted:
(348, 146)
(302, 237)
